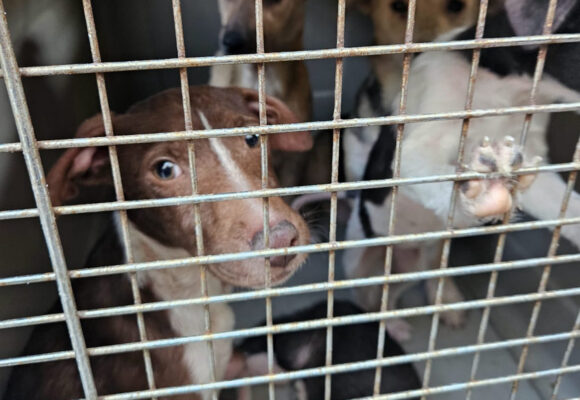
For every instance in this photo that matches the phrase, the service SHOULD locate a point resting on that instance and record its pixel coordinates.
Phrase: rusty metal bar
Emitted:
(363, 51)
(337, 187)
(293, 290)
(411, 10)
(13, 82)
(263, 116)
(444, 261)
(539, 69)
(188, 124)
(313, 248)
(372, 364)
(365, 365)
(566, 357)
(282, 128)
(312, 324)
(336, 115)
(117, 184)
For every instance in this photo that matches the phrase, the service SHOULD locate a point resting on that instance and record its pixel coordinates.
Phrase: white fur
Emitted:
(237, 176)
(185, 283)
(438, 83)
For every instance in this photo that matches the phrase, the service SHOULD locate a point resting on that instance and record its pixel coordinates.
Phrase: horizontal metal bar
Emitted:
(27, 279)
(323, 247)
(314, 324)
(294, 290)
(335, 369)
(283, 128)
(37, 358)
(364, 51)
(312, 248)
(278, 192)
(291, 191)
(454, 387)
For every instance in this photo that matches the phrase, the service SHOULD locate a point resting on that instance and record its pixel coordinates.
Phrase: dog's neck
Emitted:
(179, 284)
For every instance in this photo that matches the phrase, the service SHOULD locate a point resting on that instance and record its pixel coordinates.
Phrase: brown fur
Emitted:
(228, 227)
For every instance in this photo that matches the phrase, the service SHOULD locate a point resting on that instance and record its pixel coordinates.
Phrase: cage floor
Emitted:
(506, 322)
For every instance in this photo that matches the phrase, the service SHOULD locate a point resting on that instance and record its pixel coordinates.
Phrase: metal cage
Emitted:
(30, 148)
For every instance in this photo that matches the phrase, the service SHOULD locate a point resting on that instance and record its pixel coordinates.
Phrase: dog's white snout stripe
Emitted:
(237, 175)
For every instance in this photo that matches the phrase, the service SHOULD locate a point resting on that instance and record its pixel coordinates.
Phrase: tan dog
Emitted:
(288, 81)
(283, 31)
(161, 170)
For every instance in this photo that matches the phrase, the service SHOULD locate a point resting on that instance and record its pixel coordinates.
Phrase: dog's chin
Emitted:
(251, 274)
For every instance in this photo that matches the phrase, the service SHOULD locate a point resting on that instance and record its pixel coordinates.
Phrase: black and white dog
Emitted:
(438, 83)
(351, 343)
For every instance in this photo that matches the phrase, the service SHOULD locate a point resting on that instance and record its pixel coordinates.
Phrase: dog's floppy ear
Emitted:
(80, 166)
(527, 17)
(363, 5)
(278, 113)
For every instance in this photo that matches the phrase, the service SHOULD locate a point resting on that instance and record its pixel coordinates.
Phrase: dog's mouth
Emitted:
(252, 273)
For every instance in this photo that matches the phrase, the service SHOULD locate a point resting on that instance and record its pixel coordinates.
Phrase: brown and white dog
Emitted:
(161, 170)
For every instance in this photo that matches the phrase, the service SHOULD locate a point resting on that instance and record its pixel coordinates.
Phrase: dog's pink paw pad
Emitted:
(498, 200)
(485, 198)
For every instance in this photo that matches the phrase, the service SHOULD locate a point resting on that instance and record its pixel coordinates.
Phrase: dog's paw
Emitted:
(399, 329)
(493, 197)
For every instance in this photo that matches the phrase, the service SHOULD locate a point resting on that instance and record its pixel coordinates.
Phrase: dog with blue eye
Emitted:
(438, 83)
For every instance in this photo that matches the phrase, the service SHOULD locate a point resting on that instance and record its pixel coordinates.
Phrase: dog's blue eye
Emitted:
(166, 170)
(252, 140)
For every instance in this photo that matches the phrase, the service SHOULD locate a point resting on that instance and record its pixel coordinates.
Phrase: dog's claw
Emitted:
(485, 142)
(509, 141)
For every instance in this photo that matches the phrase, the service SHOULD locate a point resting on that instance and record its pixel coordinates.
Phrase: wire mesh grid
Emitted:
(30, 147)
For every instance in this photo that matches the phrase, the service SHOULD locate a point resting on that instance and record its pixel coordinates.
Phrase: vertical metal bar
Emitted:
(19, 106)
(566, 358)
(571, 179)
(547, 270)
(395, 190)
(444, 262)
(259, 16)
(338, 79)
(180, 41)
(541, 61)
(118, 185)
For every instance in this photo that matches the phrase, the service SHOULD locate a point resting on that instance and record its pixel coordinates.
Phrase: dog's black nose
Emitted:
(234, 42)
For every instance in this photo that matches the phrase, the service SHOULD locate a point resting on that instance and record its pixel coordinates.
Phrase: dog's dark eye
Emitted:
(167, 170)
(399, 7)
(252, 140)
(455, 6)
